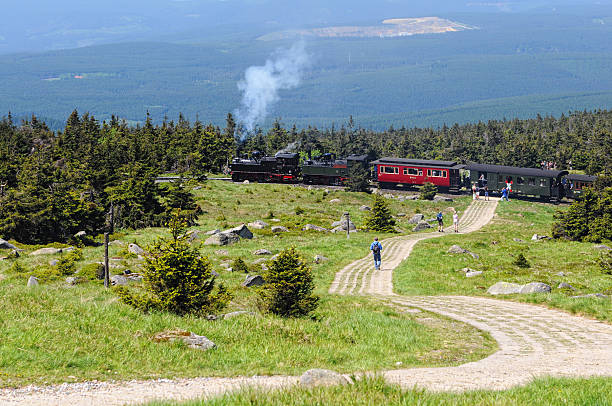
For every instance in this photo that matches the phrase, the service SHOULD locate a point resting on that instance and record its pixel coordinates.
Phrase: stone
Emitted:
(422, 225)
(279, 229)
(320, 258)
(473, 254)
(69, 249)
(560, 274)
(53, 262)
(190, 339)
(135, 249)
(416, 219)
(214, 273)
(312, 227)
(471, 274)
(535, 287)
(342, 223)
(246, 182)
(322, 377)
(80, 234)
(197, 188)
(537, 237)
(5, 245)
(412, 197)
(241, 231)
(518, 240)
(274, 257)
(466, 270)
(534, 237)
(213, 232)
(46, 251)
(262, 251)
(33, 281)
(253, 280)
(455, 249)
(365, 208)
(193, 235)
(598, 295)
(564, 285)
(260, 261)
(334, 201)
(258, 225)
(275, 220)
(401, 214)
(222, 239)
(438, 198)
(72, 280)
(599, 247)
(504, 288)
(221, 253)
(236, 314)
(118, 280)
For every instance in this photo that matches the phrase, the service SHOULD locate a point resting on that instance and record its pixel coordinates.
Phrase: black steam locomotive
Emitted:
(280, 168)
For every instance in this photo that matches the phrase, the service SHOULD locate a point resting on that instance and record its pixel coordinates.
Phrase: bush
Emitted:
(289, 286)
(521, 261)
(428, 191)
(238, 265)
(587, 219)
(176, 278)
(299, 211)
(380, 218)
(605, 262)
(92, 272)
(66, 264)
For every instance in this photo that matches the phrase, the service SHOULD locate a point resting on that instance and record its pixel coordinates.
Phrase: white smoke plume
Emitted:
(261, 84)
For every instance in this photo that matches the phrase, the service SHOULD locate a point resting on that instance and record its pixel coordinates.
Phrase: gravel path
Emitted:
(533, 341)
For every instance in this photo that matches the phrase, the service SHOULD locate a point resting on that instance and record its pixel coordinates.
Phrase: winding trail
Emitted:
(533, 341)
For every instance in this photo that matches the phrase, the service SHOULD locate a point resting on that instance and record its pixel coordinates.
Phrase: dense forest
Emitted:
(56, 184)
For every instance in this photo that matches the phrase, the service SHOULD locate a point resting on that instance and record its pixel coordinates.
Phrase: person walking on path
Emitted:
(440, 219)
(376, 248)
(486, 189)
(456, 221)
(474, 191)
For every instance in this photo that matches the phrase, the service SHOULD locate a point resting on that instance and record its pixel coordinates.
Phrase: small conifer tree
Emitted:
(177, 279)
(521, 261)
(428, 191)
(289, 286)
(380, 217)
(359, 178)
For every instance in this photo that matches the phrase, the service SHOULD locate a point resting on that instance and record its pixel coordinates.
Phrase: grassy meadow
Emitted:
(431, 270)
(56, 333)
(374, 391)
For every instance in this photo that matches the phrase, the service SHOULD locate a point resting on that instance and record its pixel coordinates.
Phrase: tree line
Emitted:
(53, 185)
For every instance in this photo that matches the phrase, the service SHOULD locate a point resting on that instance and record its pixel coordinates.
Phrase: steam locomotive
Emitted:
(394, 173)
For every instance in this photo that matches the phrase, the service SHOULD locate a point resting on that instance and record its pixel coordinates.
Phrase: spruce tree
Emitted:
(380, 217)
(359, 178)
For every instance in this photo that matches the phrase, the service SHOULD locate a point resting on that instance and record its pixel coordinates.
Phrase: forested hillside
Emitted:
(56, 184)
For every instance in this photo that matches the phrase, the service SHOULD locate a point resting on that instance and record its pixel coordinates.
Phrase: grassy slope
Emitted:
(430, 270)
(56, 333)
(376, 392)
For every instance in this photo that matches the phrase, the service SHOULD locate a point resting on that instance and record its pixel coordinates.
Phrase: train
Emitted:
(403, 173)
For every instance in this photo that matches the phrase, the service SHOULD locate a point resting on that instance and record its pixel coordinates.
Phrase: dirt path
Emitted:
(533, 341)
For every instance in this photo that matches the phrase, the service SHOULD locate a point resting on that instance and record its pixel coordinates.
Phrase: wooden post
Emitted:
(112, 218)
(106, 269)
(348, 225)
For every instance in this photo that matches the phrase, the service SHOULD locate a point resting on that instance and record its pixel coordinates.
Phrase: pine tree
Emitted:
(380, 217)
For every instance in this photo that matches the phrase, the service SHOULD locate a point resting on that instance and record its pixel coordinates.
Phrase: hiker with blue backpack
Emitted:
(376, 248)
(440, 219)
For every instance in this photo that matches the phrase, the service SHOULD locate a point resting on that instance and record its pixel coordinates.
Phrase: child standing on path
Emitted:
(456, 221)
(376, 248)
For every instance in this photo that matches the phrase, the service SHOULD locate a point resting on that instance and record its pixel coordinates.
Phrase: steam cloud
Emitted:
(261, 83)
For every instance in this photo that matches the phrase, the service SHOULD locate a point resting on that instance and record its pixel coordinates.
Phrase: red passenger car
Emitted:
(397, 172)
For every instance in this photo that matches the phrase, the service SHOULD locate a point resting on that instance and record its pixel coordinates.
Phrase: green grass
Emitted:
(374, 391)
(430, 270)
(56, 333)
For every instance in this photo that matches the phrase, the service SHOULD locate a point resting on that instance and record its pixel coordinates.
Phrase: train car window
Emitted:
(531, 181)
(405, 171)
(429, 172)
(520, 180)
(391, 169)
(412, 171)
(542, 182)
(436, 173)
(444, 174)
(420, 172)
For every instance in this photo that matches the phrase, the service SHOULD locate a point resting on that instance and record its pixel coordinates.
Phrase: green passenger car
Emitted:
(521, 181)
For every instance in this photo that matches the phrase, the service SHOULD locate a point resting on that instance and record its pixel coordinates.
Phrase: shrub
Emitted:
(605, 262)
(380, 218)
(587, 219)
(66, 264)
(17, 268)
(176, 278)
(521, 261)
(299, 211)
(428, 191)
(92, 272)
(289, 286)
(238, 265)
